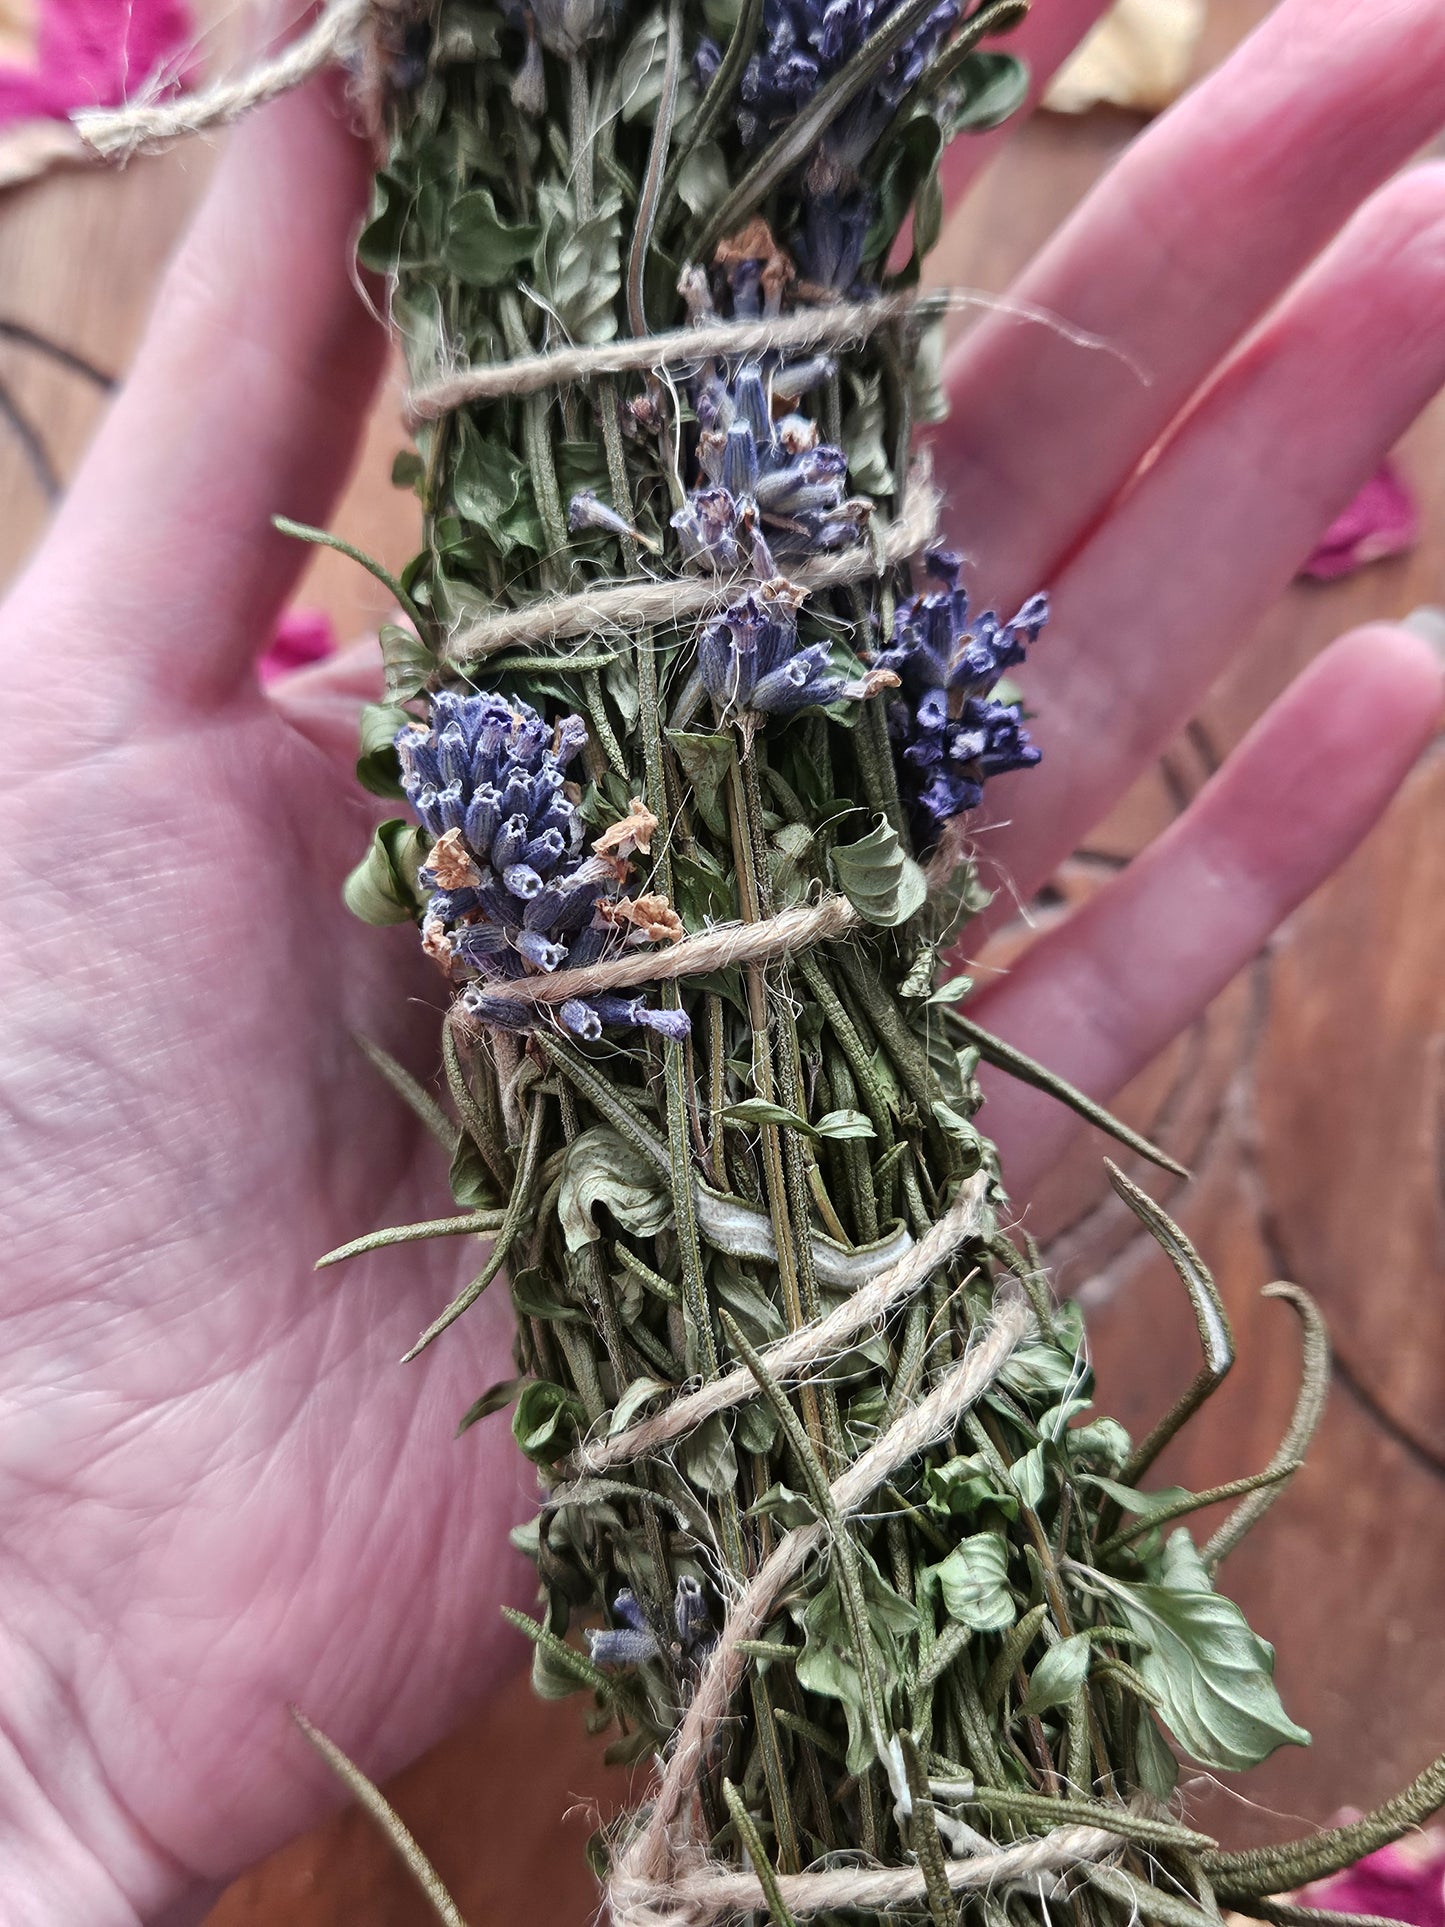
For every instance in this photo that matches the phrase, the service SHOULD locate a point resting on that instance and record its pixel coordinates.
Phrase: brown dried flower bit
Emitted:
(631, 832)
(437, 944)
(450, 862)
(652, 916)
(754, 241)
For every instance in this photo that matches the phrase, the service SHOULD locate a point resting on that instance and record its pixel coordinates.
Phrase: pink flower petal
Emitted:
(1404, 1882)
(93, 53)
(1382, 520)
(302, 636)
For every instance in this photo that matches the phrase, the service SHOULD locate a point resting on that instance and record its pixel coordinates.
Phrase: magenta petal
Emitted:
(302, 636)
(1382, 520)
(1405, 1882)
(93, 53)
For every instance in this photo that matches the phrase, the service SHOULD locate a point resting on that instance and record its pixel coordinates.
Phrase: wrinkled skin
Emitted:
(219, 1491)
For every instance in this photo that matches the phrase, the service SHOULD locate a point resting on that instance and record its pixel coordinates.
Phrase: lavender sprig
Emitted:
(949, 734)
(513, 889)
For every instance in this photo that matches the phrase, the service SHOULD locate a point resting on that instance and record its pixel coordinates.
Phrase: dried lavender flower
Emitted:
(806, 42)
(513, 889)
(949, 736)
(772, 489)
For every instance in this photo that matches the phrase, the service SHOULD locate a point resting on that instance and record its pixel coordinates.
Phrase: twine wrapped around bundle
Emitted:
(826, 1532)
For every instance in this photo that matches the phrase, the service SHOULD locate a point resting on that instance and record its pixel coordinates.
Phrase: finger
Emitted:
(1158, 601)
(1043, 41)
(1101, 995)
(323, 701)
(246, 399)
(1194, 234)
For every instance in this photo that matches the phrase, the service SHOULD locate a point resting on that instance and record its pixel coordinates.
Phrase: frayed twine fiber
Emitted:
(836, 325)
(639, 604)
(863, 1311)
(722, 948)
(694, 1899)
(112, 134)
(659, 1877)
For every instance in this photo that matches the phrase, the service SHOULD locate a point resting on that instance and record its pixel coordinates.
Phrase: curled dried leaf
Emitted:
(653, 916)
(450, 862)
(634, 831)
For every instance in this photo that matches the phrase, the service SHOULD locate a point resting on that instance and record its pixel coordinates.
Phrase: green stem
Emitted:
(1242, 1877)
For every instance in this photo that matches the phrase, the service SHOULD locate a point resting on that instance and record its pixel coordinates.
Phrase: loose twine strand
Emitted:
(660, 1877)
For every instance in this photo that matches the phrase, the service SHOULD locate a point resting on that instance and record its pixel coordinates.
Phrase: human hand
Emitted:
(218, 1489)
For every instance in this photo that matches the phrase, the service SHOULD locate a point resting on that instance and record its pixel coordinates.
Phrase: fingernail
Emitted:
(1428, 622)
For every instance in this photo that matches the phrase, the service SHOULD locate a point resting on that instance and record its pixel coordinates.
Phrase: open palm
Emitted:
(219, 1491)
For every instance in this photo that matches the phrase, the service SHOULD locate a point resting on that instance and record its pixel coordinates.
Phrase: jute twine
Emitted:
(614, 607)
(661, 1876)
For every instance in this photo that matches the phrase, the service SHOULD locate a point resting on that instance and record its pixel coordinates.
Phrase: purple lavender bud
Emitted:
(428, 811)
(450, 905)
(750, 401)
(522, 880)
(629, 1610)
(451, 807)
(418, 758)
(484, 813)
(479, 944)
(571, 738)
(539, 952)
(949, 735)
(500, 1013)
(806, 681)
(452, 757)
(509, 842)
(621, 1646)
(828, 247)
(674, 1025)
(544, 851)
(740, 461)
(517, 793)
(581, 1019)
(705, 62)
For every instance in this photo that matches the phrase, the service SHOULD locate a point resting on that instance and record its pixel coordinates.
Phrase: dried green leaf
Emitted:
(496, 1398)
(480, 249)
(601, 1168)
(1213, 1675)
(961, 1485)
(827, 1663)
(753, 1111)
(638, 1394)
(707, 1456)
(706, 761)
(383, 888)
(878, 877)
(547, 1421)
(406, 662)
(973, 1582)
(1058, 1675)
(844, 1125)
(989, 88)
(702, 180)
(378, 768)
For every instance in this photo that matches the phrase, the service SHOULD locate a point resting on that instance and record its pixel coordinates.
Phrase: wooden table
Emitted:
(1308, 1101)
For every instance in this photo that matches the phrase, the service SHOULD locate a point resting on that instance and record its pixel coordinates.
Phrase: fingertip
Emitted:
(1392, 671)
